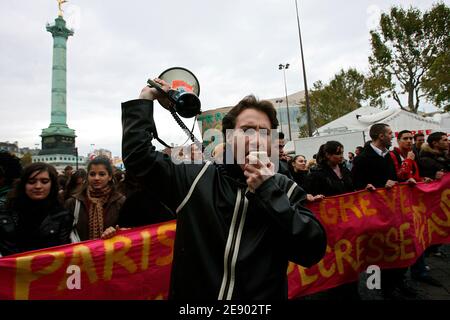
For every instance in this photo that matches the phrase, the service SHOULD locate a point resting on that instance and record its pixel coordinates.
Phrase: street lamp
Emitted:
(284, 67)
(308, 109)
(76, 155)
(36, 149)
(91, 154)
(280, 101)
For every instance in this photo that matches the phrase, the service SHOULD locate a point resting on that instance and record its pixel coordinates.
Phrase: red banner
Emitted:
(388, 228)
(133, 265)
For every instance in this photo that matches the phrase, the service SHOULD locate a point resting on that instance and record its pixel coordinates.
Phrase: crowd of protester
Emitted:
(40, 209)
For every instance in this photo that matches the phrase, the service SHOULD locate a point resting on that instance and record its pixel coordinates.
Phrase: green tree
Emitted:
(437, 82)
(26, 159)
(345, 93)
(375, 87)
(406, 48)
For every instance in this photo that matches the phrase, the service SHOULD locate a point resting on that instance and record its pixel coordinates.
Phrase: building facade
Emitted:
(102, 153)
(60, 161)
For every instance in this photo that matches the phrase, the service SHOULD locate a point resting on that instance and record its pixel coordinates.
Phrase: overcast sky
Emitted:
(233, 47)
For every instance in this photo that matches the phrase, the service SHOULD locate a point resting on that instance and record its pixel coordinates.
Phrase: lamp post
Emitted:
(279, 101)
(91, 154)
(36, 150)
(284, 67)
(308, 109)
(76, 157)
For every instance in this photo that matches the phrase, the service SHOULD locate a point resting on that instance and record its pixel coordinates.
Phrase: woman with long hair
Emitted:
(96, 208)
(75, 183)
(33, 217)
(330, 177)
(298, 169)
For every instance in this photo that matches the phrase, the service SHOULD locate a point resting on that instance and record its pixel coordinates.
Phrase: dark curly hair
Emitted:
(249, 102)
(435, 137)
(330, 147)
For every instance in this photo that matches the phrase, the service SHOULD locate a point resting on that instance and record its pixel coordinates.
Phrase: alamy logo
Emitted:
(374, 279)
(238, 142)
(74, 280)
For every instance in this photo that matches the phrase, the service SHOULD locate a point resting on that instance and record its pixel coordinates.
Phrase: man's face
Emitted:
(419, 141)
(442, 145)
(405, 142)
(281, 144)
(252, 132)
(350, 156)
(386, 137)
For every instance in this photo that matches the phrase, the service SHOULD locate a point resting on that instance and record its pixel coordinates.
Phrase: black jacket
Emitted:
(19, 234)
(300, 178)
(323, 180)
(283, 168)
(432, 161)
(230, 243)
(111, 211)
(142, 208)
(416, 152)
(369, 167)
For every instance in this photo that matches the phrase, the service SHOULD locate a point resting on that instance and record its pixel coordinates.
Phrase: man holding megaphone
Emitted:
(238, 223)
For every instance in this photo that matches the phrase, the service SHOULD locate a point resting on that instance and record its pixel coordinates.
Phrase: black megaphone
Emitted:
(184, 91)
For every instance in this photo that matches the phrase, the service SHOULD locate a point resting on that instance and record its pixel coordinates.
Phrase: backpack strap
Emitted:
(191, 190)
(76, 212)
(74, 237)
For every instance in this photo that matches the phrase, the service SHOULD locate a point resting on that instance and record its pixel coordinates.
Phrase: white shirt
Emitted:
(380, 152)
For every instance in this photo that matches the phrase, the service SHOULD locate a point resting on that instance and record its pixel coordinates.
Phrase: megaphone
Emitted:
(184, 91)
(183, 96)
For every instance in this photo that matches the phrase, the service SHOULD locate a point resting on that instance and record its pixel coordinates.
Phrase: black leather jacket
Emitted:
(16, 237)
(230, 243)
(323, 180)
(431, 161)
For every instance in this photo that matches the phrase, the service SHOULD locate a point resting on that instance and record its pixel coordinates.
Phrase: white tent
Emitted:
(352, 129)
(363, 118)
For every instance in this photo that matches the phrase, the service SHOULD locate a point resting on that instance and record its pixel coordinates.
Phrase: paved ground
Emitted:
(440, 270)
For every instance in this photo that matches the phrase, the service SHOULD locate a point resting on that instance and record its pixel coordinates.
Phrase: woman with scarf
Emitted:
(96, 208)
(33, 217)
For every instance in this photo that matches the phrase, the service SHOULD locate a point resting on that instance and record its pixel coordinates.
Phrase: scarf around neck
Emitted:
(97, 198)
